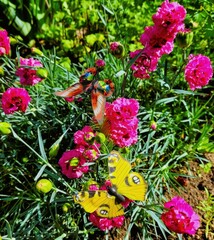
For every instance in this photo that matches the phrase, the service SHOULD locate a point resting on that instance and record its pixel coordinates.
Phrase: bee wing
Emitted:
(72, 91)
(98, 102)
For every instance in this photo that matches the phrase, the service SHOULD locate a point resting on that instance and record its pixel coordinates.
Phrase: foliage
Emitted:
(183, 117)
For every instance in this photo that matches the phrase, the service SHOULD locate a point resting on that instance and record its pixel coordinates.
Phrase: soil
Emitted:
(193, 191)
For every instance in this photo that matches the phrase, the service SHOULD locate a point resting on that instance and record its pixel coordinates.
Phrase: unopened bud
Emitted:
(44, 185)
(66, 207)
(100, 137)
(5, 128)
(153, 125)
(117, 49)
(36, 51)
(42, 72)
(184, 39)
(53, 150)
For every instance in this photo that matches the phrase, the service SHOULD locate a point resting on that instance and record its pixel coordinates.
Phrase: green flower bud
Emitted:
(42, 72)
(66, 207)
(100, 137)
(44, 185)
(5, 128)
(53, 150)
(13, 41)
(1, 71)
(25, 160)
(36, 51)
(184, 39)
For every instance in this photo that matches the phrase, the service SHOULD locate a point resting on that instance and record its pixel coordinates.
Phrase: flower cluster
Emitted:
(180, 217)
(121, 121)
(73, 162)
(159, 38)
(27, 71)
(15, 99)
(198, 71)
(4, 42)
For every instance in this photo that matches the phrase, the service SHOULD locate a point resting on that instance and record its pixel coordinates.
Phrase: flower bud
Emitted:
(5, 128)
(66, 207)
(1, 71)
(100, 64)
(184, 39)
(100, 137)
(117, 49)
(53, 150)
(91, 185)
(37, 51)
(44, 185)
(153, 125)
(42, 72)
(25, 160)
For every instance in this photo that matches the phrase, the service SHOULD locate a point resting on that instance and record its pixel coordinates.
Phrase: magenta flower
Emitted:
(15, 99)
(106, 223)
(180, 217)
(4, 42)
(84, 136)
(117, 49)
(170, 16)
(198, 71)
(145, 63)
(27, 71)
(72, 164)
(100, 63)
(156, 42)
(121, 121)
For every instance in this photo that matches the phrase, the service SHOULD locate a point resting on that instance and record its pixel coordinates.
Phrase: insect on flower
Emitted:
(99, 90)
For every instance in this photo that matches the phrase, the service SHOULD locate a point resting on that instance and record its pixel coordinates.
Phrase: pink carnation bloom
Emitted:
(170, 16)
(4, 42)
(122, 109)
(27, 71)
(84, 136)
(15, 99)
(198, 71)
(121, 122)
(156, 42)
(106, 223)
(90, 153)
(71, 164)
(100, 63)
(114, 46)
(180, 217)
(144, 64)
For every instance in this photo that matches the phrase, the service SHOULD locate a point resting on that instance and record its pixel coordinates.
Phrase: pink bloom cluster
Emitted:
(180, 217)
(15, 99)
(106, 223)
(159, 38)
(100, 63)
(4, 42)
(198, 71)
(122, 122)
(28, 71)
(73, 162)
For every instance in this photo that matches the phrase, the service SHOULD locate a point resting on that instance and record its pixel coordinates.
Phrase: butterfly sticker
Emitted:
(125, 184)
(99, 90)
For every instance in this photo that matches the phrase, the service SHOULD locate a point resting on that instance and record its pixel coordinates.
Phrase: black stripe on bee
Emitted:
(111, 169)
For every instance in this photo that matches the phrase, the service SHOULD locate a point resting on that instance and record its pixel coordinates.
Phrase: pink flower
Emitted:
(84, 136)
(180, 217)
(121, 122)
(90, 153)
(144, 64)
(170, 16)
(71, 164)
(156, 42)
(28, 71)
(70, 99)
(106, 223)
(100, 63)
(198, 71)
(4, 42)
(114, 46)
(15, 99)
(117, 49)
(122, 109)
